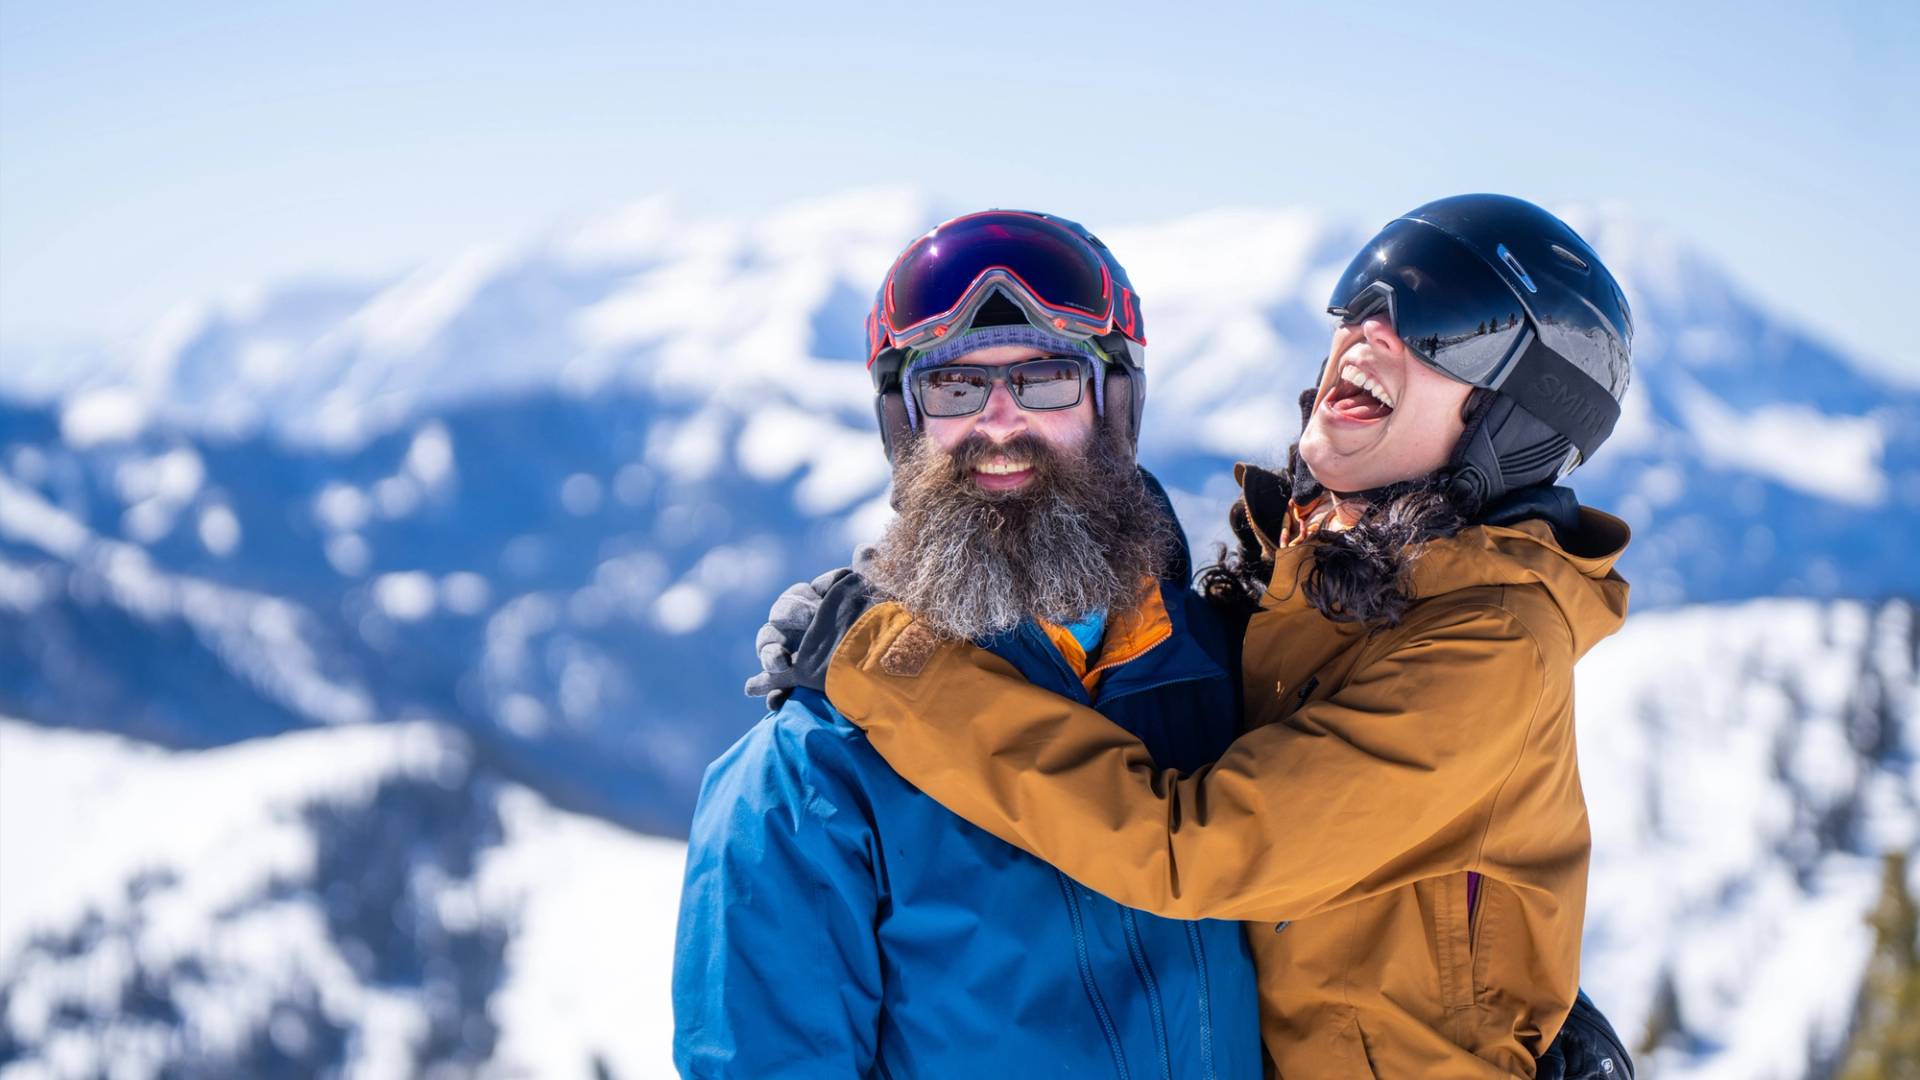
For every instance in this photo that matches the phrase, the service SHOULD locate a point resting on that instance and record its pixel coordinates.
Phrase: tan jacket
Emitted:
(1377, 771)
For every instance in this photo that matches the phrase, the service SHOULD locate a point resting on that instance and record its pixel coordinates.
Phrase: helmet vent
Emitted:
(1514, 265)
(1569, 257)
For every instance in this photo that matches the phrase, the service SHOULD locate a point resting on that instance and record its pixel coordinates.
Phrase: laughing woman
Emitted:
(1401, 823)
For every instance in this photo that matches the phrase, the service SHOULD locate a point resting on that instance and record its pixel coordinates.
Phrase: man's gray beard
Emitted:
(1081, 536)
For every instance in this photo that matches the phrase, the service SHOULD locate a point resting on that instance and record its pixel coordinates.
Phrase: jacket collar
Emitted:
(1539, 537)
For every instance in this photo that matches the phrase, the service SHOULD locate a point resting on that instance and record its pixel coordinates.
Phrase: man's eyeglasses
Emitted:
(1041, 384)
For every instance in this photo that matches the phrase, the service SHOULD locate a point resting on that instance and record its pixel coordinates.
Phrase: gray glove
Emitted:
(787, 623)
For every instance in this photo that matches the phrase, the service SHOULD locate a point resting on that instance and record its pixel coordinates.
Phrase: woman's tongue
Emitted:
(1353, 403)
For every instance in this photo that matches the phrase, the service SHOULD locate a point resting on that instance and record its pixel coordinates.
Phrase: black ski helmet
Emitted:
(1500, 294)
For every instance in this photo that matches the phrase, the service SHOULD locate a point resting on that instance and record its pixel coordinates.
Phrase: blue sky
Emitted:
(152, 154)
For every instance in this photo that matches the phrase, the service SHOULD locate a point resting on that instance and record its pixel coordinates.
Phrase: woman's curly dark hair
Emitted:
(1361, 574)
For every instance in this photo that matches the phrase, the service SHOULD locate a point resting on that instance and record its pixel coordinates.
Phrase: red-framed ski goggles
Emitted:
(1051, 271)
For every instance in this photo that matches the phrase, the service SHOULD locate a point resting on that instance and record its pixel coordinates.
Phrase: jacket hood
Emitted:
(1540, 535)
(1575, 565)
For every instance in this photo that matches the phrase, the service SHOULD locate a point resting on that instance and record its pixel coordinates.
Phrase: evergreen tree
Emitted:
(1886, 1028)
(1664, 1023)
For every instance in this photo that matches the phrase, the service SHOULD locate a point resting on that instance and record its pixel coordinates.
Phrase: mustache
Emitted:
(976, 450)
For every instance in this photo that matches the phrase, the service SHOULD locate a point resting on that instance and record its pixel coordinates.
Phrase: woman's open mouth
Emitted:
(1358, 397)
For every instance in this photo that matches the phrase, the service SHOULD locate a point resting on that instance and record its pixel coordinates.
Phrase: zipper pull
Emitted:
(1306, 691)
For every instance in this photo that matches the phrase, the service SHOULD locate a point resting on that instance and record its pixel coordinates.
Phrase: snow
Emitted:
(174, 476)
(103, 416)
(719, 317)
(22, 588)
(405, 597)
(397, 496)
(1714, 750)
(524, 715)
(591, 908)
(623, 236)
(632, 484)
(27, 518)
(219, 530)
(342, 507)
(348, 554)
(286, 670)
(691, 450)
(588, 970)
(405, 317)
(580, 494)
(1180, 261)
(509, 630)
(1712, 740)
(774, 442)
(430, 456)
(160, 352)
(157, 490)
(683, 608)
(1716, 742)
(843, 464)
(868, 522)
(1833, 457)
(77, 817)
(465, 593)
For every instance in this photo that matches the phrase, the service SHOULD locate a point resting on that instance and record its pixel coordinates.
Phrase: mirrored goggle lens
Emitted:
(1046, 383)
(1056, 267)
(1448, 305)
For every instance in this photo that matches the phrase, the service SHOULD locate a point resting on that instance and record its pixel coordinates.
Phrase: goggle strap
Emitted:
(1565, 398)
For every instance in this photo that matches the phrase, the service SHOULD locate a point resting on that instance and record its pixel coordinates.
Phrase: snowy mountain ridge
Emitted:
(647, 300)
(405, 908)
(545, 492)
(396, 911)
(496, 535)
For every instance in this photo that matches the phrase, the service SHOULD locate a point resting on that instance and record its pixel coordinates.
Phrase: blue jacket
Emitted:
(838, 923)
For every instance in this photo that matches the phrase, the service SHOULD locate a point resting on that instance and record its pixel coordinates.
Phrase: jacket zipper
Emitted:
(1473, 899)
(1067, 887)
(1086, 975)
(1145, 971)
(1206, 1001)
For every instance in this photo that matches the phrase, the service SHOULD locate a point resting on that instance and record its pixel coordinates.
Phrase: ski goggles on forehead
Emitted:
(1039, 385)
(936, 286)
(1451, 309)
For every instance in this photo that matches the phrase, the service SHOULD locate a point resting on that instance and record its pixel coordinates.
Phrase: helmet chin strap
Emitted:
(1472, 475)
(890, 408)
(1122, 415)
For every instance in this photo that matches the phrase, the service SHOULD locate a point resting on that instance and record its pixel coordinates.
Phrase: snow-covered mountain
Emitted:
(1745, 767)
(375, 899)
(478, 550)
(364, 901)
(543, 492)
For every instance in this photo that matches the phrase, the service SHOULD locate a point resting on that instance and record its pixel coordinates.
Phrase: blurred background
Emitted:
(408, 414)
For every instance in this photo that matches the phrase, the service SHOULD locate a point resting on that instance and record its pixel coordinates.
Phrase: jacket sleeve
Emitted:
(1390, 779)
(776, 967)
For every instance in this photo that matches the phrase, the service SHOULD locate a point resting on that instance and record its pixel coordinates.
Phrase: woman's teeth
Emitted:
(1001, 468)
(1354, 375)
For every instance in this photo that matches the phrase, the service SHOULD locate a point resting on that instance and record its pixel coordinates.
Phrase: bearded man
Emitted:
(836, 922)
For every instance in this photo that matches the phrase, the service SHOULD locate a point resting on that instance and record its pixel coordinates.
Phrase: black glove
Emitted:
(1587, 1048)
(779, 641)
